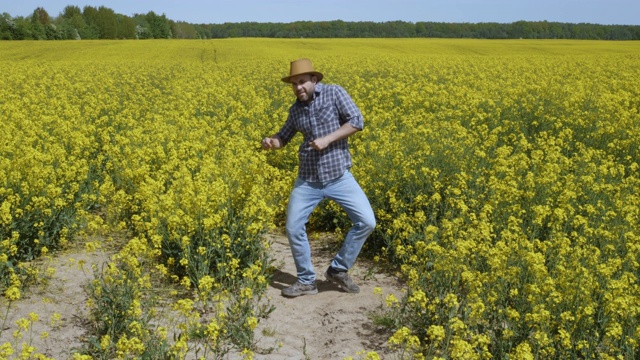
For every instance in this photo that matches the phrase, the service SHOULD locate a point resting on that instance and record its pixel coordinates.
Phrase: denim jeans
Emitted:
(304, 198)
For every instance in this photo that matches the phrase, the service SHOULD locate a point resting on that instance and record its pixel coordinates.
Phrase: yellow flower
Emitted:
(105, 342)
(33, 317)
(522, 351)
(391, 300)
(185, 282)
(436, 333)
(251, 322)
(12, 293)
(404, 338)
(23, 324)
(506, 195)
(6, 350)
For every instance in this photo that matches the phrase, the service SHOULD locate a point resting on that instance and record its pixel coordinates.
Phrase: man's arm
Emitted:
(343, 132)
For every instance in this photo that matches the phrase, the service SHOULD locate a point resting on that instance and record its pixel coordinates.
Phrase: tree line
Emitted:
(103, 23)
(92, 23)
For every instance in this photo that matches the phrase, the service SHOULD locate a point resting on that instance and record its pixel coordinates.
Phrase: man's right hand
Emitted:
(269, 143)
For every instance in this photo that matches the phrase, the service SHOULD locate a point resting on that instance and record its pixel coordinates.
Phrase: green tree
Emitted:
(107, 23)
(41, 16)
(6, 27)
(104, 23)
(22, 28)
(126, 27)
(184, 30)
(142, 27)
(40, 21)
(520, 29)
(399, 29)
(90, 15)
(71, 23)
(555, 31)
(158, 25)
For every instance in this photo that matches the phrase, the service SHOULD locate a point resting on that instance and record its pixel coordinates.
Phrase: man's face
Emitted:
(303, 86)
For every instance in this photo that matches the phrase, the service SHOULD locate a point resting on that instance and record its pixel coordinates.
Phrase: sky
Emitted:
(605, 12)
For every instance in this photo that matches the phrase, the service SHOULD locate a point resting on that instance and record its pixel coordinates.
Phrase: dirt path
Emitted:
(60, 306)
(329, 325)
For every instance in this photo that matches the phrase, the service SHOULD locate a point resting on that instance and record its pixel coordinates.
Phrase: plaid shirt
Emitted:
(331, 108)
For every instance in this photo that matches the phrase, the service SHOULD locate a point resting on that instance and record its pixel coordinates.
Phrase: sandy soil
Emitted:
(59, 303)
(329, 325)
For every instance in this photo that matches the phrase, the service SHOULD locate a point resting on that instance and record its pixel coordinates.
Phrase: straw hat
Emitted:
(300, 67)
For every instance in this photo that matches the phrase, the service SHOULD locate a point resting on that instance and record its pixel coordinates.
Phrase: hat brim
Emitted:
(287, 79)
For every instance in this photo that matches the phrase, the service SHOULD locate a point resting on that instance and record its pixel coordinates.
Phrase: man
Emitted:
(326, 116)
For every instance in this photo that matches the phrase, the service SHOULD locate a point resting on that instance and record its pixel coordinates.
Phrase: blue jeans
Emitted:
(304, 198)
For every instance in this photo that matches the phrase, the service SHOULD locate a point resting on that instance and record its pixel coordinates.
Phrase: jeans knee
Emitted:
(368, 225)
(294, 230)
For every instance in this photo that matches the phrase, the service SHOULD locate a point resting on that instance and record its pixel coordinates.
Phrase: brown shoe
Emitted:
(298, 289)
(342, 279)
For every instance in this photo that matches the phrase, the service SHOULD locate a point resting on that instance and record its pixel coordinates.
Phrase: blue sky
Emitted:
(622, 12)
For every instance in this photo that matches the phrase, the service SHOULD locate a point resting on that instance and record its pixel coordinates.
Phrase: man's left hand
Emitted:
(320, 144)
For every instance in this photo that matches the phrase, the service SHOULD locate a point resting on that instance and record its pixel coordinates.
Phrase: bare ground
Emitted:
(59, 303)
(330, 325)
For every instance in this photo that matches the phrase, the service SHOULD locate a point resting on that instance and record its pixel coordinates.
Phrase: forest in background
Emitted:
(74, 23)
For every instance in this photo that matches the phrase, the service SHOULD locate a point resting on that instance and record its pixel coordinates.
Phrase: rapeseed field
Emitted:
(504, 176)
